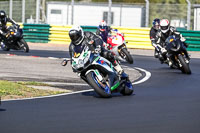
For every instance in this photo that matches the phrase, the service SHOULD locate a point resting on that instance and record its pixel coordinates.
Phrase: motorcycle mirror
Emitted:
(64, 62)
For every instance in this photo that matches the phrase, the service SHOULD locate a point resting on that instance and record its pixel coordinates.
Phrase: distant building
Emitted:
(92, 13)
(197, 17)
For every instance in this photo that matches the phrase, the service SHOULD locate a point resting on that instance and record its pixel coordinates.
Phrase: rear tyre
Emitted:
(24, 45)
(185, 66)
(98, 88)
(127, 91)
(126, 55)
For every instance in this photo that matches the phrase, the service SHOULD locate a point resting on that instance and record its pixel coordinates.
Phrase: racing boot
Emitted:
(119, 69)
(121, 72)
(185, 44)
(161, 58)
(156, 53)
(187, 55)
(169, 61)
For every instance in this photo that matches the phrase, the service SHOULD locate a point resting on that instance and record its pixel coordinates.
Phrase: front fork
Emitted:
(121, 47)
(181, 54)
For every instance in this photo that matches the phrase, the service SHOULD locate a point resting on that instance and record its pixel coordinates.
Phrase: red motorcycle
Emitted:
(117, 44)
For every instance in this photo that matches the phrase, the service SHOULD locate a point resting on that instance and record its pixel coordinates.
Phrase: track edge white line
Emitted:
(147, 76)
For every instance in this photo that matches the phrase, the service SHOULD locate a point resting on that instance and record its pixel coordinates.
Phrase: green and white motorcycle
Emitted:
(99, 73)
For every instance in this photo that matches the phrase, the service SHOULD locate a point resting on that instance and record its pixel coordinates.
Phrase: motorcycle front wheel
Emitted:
(4, 47)
(126, 55)
(100, 88)
(24, 45)
(185, 66)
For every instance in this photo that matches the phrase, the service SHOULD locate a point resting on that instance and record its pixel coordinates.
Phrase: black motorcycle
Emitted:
(176, 52)
(14, 39)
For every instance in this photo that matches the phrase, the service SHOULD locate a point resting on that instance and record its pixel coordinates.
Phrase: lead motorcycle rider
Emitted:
(165, 31)
(79, 39)
(3, 21)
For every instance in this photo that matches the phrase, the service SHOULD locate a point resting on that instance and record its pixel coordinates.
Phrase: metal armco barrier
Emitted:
(136, 37)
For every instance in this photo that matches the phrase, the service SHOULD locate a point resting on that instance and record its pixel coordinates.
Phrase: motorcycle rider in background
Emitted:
(153, 31)
(3, 21)
(104, 31)
(165, 31)
(79, 39)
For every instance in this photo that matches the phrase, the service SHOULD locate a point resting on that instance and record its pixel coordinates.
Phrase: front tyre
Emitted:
(4, 47)
(185, 66)
(24, 45)
(126, 55)
(98, 87)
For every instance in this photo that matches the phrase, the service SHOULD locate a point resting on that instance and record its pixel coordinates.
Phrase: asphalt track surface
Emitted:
(168, 102)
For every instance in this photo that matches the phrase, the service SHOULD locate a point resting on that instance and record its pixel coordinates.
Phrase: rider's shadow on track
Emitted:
(1, 110)
(94, 94)
(168, 70)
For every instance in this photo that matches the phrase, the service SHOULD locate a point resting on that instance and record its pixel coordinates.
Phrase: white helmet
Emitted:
(103, 26)
(76, 34)
(164, 25)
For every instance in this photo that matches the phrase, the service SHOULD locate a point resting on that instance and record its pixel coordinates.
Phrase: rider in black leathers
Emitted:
(79, 39)
(3, 21)
(165, 31)
(153, 31)
(104, 31)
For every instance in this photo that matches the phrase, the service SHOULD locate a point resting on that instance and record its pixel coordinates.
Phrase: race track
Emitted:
(168, 102)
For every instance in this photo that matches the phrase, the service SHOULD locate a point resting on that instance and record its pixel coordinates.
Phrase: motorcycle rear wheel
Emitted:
(90, 78)
(126, 91)
(185, 67)
(126, 55)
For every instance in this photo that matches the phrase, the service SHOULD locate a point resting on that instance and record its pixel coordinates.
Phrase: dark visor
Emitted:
(164, 27)
(102, 27)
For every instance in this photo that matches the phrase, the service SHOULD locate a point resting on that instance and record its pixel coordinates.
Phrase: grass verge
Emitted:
(31, 83)
(18, 90)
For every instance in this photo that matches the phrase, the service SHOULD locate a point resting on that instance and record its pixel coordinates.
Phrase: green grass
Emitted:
(32, 83)
(15, 90)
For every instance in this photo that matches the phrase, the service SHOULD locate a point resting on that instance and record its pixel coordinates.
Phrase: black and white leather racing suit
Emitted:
(161, 38)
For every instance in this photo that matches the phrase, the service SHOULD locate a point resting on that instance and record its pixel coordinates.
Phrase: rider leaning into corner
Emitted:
(79, 39)
(165, 31)
(3, 21)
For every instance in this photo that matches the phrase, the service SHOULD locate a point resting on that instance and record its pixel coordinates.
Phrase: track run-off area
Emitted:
(167, 102)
